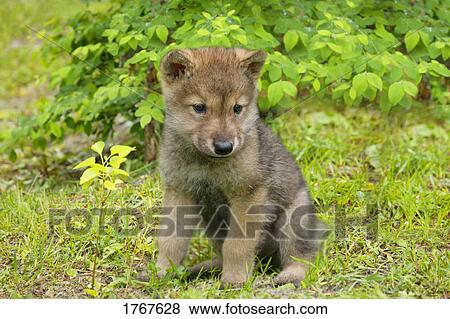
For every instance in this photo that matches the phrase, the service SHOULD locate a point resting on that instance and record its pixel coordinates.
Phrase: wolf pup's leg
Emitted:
(205, 268)
(300, 226)
(173, 246)
(239, 247)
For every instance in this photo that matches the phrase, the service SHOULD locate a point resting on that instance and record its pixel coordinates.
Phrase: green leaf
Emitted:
(62, 72)
(352, 93)
(335, 47)
(439, 44)
(363, 39)
(438, 68)
(98, 147)
(157, 114)
(374, 80)
(396, 92)
(342, 87)
(343, 25)
(99, 167)
(150, 32)
(291, 72)
(446, 52)
(12, 155)
(360, 83)
(242, 38)
(162, 32)
(203, 32)
(325, 33)
(303, 38)
(411, 40)
(55, 129)
(113, 92)
(290, 39)
(425, 38)
(274, 72)
(81, 52)
(289, 88)
(87, 162)
(125, 39)
(139, 57)
(317, 45)
(122, 150)
(118, 171)
(143, 109)
(316, 85)
(145, 120)
(71, 272)
(410, 88)
(385, 104)
(115, 161)
(124, 91)
(307, 78)
(275, 92)
(112, 48)
(380, 30)
(89, 175)
(91, 292)
(110, 33)
(133, 43)
(143, 42)
(109, 185)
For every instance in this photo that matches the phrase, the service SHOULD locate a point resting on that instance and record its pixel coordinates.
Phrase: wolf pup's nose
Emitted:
(222, 147)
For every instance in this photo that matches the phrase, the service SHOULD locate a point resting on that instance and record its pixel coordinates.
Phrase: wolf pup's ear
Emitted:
(175, 65)
(252, 62)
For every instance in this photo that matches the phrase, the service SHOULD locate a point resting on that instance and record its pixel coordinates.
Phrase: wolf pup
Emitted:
(217, 154)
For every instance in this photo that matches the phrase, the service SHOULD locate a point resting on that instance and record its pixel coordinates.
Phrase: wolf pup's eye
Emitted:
(199, 108)
(237, 108)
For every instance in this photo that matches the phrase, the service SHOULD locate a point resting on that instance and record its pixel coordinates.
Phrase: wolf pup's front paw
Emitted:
(293, 274)
(233, 280)
(162, 268)
(145, 275)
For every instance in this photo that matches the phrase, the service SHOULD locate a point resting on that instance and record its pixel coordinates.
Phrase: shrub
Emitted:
(385, 53)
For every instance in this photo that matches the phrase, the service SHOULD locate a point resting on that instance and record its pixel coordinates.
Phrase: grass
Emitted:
(346, 154)
(402, 161)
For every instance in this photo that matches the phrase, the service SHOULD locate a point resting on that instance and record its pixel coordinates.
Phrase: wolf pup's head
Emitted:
(211, 96)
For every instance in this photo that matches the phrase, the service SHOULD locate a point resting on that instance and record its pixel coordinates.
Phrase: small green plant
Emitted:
(107, 171)
(105, 176)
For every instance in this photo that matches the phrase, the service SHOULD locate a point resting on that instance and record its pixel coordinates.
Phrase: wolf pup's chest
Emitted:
(210, 178)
